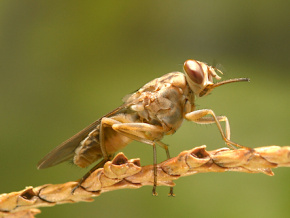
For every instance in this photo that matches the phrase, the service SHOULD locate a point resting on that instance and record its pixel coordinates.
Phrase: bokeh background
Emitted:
(63, 64)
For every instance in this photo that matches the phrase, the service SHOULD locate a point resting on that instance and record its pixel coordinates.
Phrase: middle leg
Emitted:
(144, 132)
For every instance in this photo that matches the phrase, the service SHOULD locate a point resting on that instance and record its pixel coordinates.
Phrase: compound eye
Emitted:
(194, 71)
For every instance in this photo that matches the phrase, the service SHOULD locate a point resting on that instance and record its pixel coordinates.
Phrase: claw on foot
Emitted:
(75, 188)
(171, 194)
(154, 193)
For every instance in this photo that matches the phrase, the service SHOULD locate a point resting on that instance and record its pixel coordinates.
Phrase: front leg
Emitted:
(199, 117)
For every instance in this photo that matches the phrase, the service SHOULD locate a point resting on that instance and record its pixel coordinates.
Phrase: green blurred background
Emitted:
(63, 64)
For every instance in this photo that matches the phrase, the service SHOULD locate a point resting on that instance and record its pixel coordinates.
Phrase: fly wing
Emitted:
(65, 151)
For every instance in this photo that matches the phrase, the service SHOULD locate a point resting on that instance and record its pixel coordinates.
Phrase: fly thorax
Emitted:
(171, 101)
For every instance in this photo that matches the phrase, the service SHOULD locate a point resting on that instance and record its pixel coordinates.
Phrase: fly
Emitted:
(155, 110)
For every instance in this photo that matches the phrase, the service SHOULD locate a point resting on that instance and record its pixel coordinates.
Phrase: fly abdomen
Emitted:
(89, 150)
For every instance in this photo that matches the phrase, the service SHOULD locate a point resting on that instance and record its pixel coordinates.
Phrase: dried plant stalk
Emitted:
(123, 173)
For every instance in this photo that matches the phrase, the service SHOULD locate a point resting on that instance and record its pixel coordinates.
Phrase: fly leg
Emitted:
(99, 165)
(199, 117)
(165, 147)
(141, 132)
(106, 157)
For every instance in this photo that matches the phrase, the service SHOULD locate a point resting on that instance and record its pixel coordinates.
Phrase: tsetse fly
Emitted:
(155, 110)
